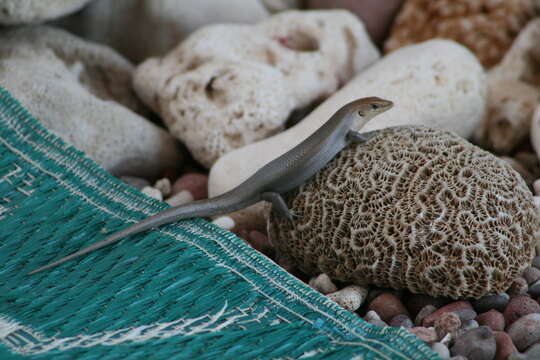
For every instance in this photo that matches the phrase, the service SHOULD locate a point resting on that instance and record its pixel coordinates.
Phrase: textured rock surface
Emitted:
(14, 12)
(438, 84)
(77, 89)
(513, 93)
(487, 27)
(413, 208)
(477, 344)
(525, 331)
(230, 85)
(139, 29)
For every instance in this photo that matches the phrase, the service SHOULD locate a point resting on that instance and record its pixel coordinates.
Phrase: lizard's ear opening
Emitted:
(361, 114)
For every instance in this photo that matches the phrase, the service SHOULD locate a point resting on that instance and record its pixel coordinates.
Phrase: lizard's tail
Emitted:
(222, 204)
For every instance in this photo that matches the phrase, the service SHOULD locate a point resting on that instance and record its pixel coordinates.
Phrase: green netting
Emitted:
(190, 290)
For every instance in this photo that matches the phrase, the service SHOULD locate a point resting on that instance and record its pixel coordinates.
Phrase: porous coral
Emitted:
(413, 208)
(487, 27)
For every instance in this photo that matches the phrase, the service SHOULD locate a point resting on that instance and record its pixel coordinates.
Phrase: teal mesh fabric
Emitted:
(186, 291)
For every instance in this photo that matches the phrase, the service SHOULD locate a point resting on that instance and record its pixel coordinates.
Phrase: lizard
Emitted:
(277, 177)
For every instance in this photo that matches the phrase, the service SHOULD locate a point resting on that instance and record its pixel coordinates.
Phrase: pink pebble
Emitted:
(259, 241)
(492, 319)
(519, 306)
(505, 346)
(388, 306)
(525, 331)
(452, 307)
(196, 184)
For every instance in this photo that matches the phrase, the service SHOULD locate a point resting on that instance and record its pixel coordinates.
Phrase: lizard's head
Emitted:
(369, 107)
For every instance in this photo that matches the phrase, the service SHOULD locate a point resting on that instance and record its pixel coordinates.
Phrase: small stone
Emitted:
(533, 352)
(477, 344)
(376, 291)
(425, 311)
(492, 319)
(534, 289)
(488, 302)
(505, 346)
(452, 307)
(531, 274)
(441, 350)
(196, 184)
(518, 307)
(260, 242)
(323, 284)
(525, 331)
(465, 314)
(350, 297)
(181, 198)
(416, 302)
(373, 318)
(136, 182)
(388, 306)
(447, 323)
(401, 320)
(536, 262)
(164, 186)
(427, 335)
(518, 287)
(152, 192)
(225, 222)
(469, 324)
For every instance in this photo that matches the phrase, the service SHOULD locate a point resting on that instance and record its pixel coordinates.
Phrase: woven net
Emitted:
(186, 291)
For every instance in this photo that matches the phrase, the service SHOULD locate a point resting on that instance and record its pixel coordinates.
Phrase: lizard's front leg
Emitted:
(278, 204)
(357, 137)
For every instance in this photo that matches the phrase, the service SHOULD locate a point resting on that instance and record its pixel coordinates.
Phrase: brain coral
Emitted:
(413, 208)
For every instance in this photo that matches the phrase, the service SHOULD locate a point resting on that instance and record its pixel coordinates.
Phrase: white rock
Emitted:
(350, 297)
(152, 192)
(230, 85)
(513, 93)
(224, 222)
(181, 198)
(139, 29)
(441, 350)
(164, 186)
(438, 83)
(34, 11)
(77, 89)
(323, 284)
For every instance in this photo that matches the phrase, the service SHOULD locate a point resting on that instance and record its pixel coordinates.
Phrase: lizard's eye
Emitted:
(361, 114)
(374, 106)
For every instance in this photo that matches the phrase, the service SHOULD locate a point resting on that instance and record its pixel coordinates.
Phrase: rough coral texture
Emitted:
(14, 12)
(486, 27)
(513, 93)
(413, 208)
(230, 85)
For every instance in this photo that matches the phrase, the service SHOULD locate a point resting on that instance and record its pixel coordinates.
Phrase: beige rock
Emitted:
(513, 93)
(438, 83)
(231, 85)
(323, 284)
(14, 12)
(350, 297)
(152, 192)
(139, 29)
(77, 89)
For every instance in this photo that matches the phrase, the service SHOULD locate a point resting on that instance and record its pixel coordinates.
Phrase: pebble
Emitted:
(447, 323)
(350, 297)
(531, 274)
(373, 318)
(152, 192)
(425, 311)
(181, 198)
(518, 287)
(323, 284)
(475, 344)
(260, 242)
(452, 307)
(533, 352)
(164, 186)
(401, 320)
(534, 289)
(492, 319)
(488, 302)
(525, 331)
(416, 302)
(388, 306)
(427, 335)
(441, 350)
(505, 346)
(225, 222)
(376, 291)
(469, 324)
(518, 307)
(195, 183)
(136, 182)
(536, 262)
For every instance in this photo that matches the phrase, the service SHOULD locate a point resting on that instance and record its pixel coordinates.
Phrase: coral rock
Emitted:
(230, 85)
(14, 12)
(350, 297)
(413, 208)
(486, 27)
(439, 84)
(447, 324)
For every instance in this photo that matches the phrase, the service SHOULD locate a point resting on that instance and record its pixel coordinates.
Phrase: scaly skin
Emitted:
(279, 176)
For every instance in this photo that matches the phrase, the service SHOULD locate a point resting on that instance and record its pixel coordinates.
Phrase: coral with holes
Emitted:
(413, 208)
(230, 85)
(513, 93)
(486, 27)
